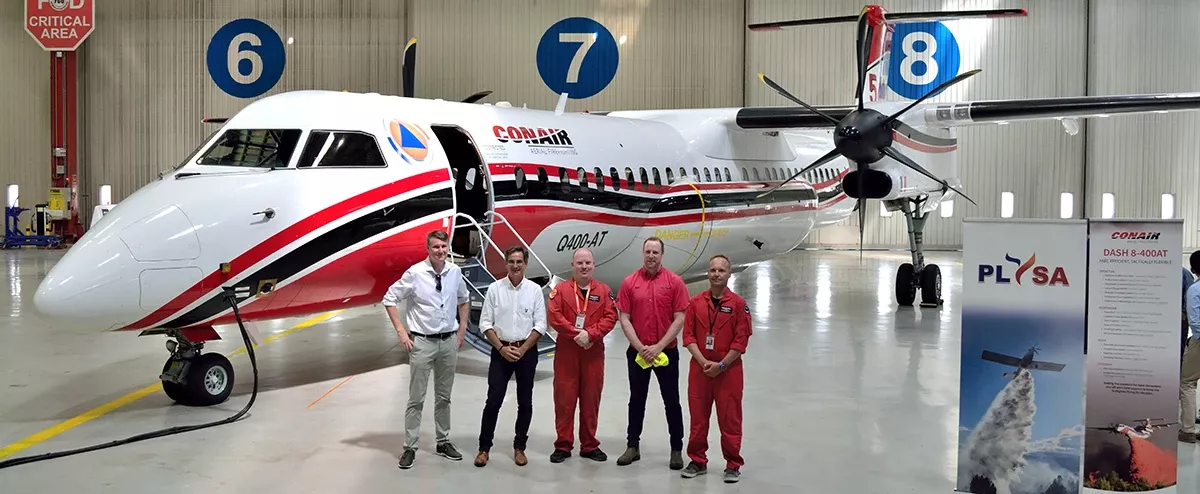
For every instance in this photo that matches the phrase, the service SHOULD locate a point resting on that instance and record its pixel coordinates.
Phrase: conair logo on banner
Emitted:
(1041, 275)
(1135, 235)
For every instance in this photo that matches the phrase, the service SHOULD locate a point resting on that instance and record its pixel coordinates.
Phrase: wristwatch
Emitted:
(721, 364)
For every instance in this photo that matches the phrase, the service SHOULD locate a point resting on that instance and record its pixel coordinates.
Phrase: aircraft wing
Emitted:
(1000, 359)
(954, 114)
(1046, 366)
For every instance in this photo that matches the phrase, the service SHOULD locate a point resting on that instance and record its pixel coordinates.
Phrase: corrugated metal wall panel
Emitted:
(145, 86)
(25, 121)
(1035, 160)
(1139, 158)
(677, 54)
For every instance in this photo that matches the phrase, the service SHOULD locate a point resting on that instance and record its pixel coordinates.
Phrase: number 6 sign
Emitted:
(245, 58)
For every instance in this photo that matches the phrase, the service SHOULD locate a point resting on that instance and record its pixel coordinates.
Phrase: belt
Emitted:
(436, 336)
(512, 343)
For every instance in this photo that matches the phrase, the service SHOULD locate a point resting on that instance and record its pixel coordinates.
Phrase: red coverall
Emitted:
(579, 373)
(730, 327)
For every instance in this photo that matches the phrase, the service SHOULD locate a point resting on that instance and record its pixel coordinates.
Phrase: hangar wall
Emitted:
(1140, 158)
(25, 119)
(1034, 160)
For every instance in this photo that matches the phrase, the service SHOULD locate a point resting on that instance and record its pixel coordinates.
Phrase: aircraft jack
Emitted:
(917, 275)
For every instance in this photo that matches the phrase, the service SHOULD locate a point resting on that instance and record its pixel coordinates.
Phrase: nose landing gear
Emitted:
(194, 379)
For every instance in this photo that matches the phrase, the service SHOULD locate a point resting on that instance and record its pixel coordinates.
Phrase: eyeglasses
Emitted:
(438, 278)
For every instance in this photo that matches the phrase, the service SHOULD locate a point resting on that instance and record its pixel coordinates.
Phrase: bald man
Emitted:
(582, 311)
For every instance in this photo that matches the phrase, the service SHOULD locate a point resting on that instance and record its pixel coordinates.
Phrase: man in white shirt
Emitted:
(433, 289)
(512, 319)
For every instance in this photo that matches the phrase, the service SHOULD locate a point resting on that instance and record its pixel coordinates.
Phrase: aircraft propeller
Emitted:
(864, 135)
(408, 74)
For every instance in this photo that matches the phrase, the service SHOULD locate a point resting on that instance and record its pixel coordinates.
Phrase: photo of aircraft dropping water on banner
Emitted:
(1026, 362)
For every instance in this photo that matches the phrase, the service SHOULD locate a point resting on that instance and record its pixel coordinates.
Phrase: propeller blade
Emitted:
(477, 96)
(862, 219)
(820, 161)
(945, 85)
(779, 89)
(898, 156)
(408, 68)
(861, 52)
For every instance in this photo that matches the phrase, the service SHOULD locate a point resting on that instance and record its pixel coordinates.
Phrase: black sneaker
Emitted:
(559, 456)
(595, 455)
(693, 469)
(447, 450)
(406, 459)
(676, 460)
(732, 476)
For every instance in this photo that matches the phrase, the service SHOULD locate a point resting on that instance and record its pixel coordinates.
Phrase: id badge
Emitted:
(708, 342)
(579, 321)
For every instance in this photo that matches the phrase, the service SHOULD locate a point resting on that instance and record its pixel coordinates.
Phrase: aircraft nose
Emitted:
(91, 287)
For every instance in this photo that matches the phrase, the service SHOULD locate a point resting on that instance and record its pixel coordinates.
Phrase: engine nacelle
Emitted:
(875, 184)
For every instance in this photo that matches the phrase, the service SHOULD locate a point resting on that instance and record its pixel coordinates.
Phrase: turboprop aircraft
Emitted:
(309, 201)
(1027, 362)
(1142, 430)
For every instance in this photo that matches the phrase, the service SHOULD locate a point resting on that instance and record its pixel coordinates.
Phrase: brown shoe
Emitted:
(481, 459)
(519, 457)
(1187, 438)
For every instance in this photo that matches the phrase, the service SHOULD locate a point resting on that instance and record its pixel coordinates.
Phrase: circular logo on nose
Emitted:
(408, 140)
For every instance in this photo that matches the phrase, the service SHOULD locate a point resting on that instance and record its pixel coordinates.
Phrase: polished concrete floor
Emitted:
(844, 393)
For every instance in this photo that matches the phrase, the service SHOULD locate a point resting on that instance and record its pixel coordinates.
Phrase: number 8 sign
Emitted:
(923, 56)
(577, 56)
(245, 58)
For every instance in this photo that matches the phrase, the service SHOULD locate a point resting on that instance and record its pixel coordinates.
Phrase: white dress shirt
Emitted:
(429, 311)
(513, 311)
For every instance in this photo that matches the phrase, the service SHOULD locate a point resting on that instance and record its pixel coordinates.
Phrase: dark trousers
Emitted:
(499, 373)
(639, 387)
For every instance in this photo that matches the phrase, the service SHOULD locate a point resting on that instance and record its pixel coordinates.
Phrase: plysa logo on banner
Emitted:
(1037, 274)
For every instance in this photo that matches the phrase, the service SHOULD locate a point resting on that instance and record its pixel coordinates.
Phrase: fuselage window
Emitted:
(756, 175)
(564, 179)
(519, 176)
(542, 176)
(583, 181)
(253, 148)
(696, 173)
(728, 177)
(745, 176)
(707, 175)
(630, 183)
(616, 178)
(682, 172)
(645, 179)
(470, 178)
(599, 176)
(657, 178)
(353, 149)
(670, 176)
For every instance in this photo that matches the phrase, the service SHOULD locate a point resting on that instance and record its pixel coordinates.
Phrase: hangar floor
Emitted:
(844, 393)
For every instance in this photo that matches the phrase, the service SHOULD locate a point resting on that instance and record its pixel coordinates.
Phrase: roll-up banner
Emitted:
(1133, 356)
(1022, 375)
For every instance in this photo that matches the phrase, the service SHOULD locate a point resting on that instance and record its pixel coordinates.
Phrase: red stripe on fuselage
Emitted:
(531, 173)
(360, 278)
(264, 249)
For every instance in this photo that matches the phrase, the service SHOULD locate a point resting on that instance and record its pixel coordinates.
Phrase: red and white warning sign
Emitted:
(60, 25)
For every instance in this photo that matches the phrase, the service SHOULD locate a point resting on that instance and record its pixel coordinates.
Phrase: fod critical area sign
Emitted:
(60, 25)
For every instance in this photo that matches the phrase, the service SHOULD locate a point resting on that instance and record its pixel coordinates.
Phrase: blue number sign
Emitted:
(923, 56)
(577, 56)
(245, 58)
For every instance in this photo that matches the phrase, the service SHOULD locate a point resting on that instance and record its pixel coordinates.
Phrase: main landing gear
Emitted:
(917, 275)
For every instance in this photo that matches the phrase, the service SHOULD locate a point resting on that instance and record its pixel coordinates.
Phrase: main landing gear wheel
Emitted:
(906, 290)
(931, 286)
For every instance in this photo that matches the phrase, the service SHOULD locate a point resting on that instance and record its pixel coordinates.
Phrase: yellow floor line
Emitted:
(84, 417)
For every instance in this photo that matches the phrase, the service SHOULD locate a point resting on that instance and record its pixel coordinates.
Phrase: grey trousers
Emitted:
(441, 357)
(1189, 374)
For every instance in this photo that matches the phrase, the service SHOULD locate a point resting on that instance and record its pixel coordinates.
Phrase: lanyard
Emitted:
(578, 295)
(712, 316)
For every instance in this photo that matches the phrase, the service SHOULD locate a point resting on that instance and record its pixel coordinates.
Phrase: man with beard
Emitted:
(582, 311)
(513, 318)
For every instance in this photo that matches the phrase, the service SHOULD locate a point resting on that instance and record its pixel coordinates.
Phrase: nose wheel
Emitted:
(194, 379)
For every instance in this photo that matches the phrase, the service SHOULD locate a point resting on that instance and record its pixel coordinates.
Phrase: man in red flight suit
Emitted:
(716, 330)
(582, 311)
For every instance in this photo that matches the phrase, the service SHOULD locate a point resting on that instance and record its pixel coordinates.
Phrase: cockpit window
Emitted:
(252, 148)
(341, 148)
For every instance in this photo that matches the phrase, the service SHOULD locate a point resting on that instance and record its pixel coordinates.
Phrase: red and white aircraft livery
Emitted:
(309, 201)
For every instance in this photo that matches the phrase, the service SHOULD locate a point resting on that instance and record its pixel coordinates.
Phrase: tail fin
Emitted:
(908, 53)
